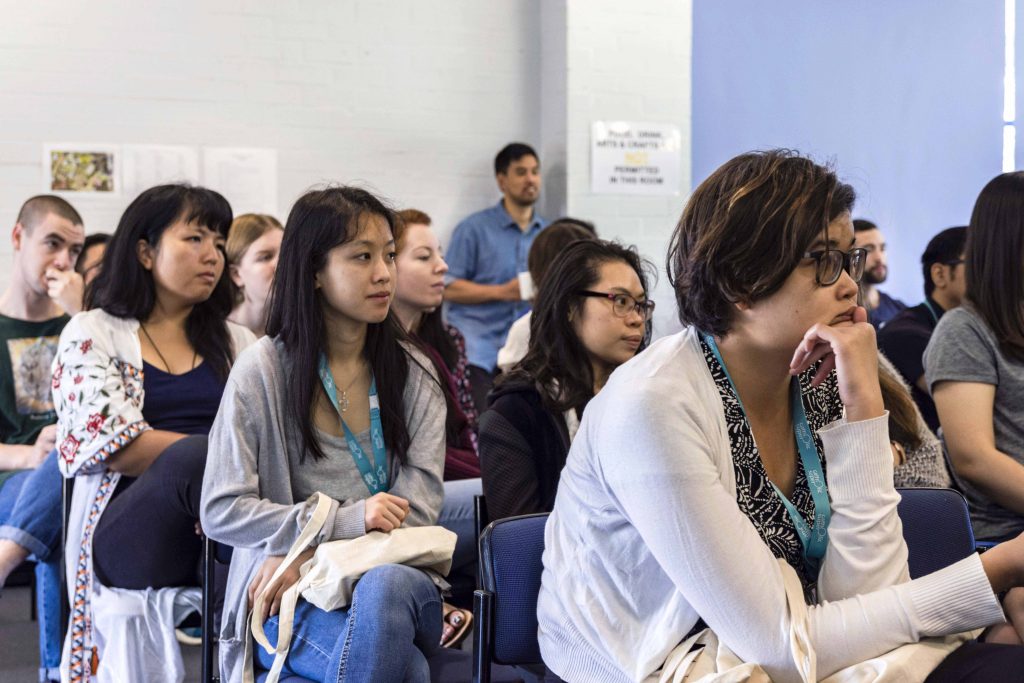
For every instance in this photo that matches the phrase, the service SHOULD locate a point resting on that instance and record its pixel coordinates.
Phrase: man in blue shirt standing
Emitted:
(485, 257)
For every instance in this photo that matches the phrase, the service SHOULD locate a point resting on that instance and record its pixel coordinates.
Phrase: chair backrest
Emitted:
(510, 567)
(936, 527)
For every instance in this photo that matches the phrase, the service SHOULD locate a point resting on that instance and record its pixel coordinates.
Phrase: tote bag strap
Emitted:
(290, 598)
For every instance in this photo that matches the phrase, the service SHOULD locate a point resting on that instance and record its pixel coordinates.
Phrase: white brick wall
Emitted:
(629, 62)
(410, 98)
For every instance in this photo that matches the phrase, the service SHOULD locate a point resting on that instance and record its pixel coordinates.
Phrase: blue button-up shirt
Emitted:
(488, 248)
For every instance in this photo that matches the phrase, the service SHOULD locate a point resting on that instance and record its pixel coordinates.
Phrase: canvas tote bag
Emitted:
(328, 578)
(702, 658)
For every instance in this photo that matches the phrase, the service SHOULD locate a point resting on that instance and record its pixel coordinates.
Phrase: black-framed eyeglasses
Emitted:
(623, 304)
(830, 264)
(954, 262)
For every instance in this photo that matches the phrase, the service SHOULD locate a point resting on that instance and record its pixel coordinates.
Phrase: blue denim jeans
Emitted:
(30, 509)
(30, 515)
(385, 635)
(457, 517)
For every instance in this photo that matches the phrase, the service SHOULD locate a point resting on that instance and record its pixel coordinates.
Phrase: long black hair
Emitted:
(556, 360)
(124, 288)
(995, 260)
(320, 221)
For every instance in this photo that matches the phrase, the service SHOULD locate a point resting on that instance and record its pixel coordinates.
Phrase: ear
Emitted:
(939, 275)
(502, 180)
(17, 234)
(233, 273)
(144, 252)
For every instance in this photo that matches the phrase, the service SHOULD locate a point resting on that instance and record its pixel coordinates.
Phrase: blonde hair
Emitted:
(245, 230)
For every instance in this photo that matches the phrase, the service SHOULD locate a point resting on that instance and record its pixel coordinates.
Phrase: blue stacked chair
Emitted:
(505, 607)
(936, 528)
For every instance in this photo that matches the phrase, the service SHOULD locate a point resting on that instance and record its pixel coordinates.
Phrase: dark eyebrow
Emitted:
(55, 236)
(368, 243)
(639, 297)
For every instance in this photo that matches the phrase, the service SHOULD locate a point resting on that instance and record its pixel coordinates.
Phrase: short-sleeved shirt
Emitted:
(488, 248)
(903, 341)
(964, 349)
(887, 309)
(26, 399)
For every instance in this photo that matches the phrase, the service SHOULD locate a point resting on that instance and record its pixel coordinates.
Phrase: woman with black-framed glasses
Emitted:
(732, 486)
(590, 316)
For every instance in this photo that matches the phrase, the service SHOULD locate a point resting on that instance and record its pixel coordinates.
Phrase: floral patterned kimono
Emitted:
(98, 395)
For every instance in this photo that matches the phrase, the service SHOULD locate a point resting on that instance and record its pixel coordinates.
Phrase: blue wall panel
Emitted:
(904, 97)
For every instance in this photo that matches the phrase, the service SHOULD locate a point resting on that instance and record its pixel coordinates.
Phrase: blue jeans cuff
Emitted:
(26, 540)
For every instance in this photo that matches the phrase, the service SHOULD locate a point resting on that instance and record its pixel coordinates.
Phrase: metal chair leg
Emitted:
(483, 646)
(209, 637)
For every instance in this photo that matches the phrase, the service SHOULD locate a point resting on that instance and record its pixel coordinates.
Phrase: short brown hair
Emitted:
(408, 217)
(745, 229)
(37, 208)
(245, 230)
(551, 242)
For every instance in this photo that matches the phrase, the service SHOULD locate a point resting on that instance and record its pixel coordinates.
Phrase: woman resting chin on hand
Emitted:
(761, 433)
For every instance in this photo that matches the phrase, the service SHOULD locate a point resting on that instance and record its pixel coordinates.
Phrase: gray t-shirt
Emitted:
(964, 349)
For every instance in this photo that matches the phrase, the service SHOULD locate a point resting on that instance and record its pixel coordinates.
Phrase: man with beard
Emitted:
(881, 307)
(487, 253)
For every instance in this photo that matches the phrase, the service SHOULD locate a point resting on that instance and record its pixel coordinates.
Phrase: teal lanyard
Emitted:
(375, 474)
(935, 316)
(814, 541)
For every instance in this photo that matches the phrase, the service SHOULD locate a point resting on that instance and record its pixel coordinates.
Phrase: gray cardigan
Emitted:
(250, 499)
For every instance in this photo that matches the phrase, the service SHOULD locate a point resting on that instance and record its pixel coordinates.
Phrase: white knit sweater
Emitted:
(646, 536)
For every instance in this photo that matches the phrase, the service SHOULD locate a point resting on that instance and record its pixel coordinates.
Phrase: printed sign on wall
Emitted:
(635, 158)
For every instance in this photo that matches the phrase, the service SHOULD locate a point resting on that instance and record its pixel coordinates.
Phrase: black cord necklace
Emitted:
(157, 349)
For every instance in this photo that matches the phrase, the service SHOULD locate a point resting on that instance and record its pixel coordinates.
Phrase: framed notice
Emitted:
(246, 176)
(144, 166)
(635, 158)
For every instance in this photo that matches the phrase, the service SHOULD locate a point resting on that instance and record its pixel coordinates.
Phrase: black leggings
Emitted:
(976, 662)
(146, 537)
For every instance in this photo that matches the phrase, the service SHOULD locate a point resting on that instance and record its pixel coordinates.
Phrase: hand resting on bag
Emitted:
(385, 512)
(275, 591)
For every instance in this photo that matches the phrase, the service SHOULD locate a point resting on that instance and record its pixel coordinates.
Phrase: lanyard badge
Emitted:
(814, 539)
(374, 474)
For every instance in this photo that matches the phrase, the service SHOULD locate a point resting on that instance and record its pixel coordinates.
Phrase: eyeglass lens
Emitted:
(623, 305)
(832, 263)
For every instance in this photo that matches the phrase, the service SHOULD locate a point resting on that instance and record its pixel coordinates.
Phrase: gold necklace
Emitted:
(343, 401)
(162, 359)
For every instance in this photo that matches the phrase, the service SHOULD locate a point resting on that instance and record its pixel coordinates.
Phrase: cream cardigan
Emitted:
(646, 536)
(98, 395)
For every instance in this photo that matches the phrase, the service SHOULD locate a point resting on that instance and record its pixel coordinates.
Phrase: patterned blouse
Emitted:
(98, 393)
(461, 375)
(755, 494)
